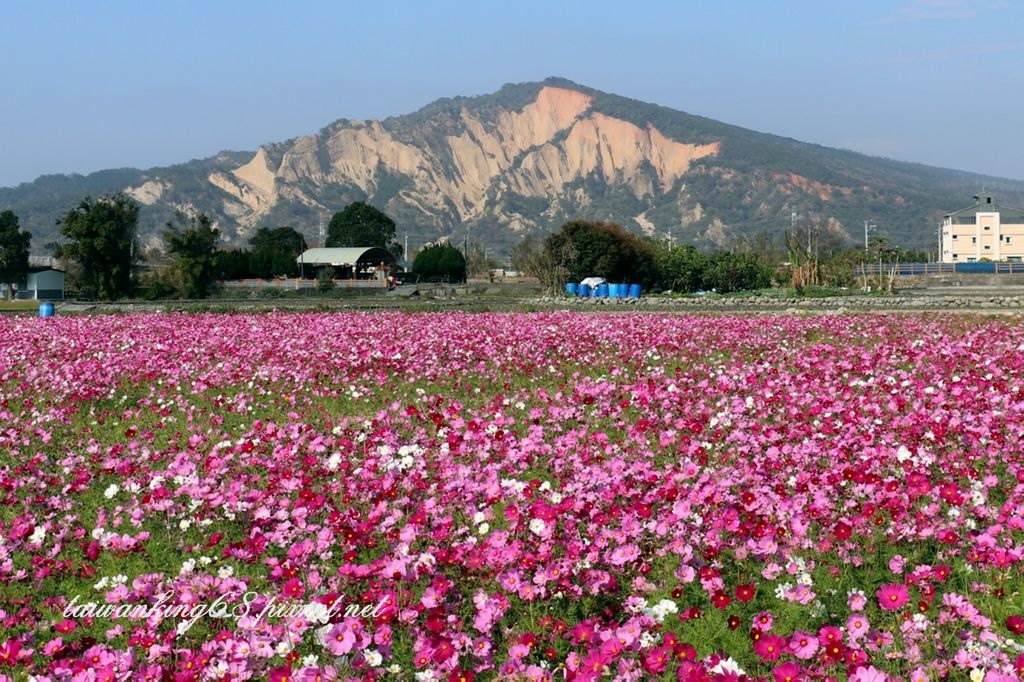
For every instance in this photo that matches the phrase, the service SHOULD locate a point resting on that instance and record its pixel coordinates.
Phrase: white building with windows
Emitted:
(985, 231)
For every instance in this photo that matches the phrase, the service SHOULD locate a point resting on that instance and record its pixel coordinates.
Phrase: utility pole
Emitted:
(866, 228)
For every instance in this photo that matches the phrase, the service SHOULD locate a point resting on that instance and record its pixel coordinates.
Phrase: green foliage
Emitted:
(273, 239)
(680, 268)
(101, 238)
(684, 269)
(14, 244)
(233, 264)
(360, 225)
(195, 248)
(440, 263)
(325, 279)
(726, 271)
(585, 248)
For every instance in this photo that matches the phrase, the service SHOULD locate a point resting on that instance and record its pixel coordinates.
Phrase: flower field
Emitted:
(511, 496)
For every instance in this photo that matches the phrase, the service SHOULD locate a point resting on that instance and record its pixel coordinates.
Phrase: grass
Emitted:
(18, 306)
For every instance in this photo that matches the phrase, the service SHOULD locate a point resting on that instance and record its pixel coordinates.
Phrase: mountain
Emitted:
(526, 159)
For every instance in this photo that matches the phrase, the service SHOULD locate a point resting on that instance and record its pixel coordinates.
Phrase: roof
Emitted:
(346, 256)
(989, 206)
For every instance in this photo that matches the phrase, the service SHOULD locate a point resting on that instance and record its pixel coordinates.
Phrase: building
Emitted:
(985, 231)
(42, 283)
(364, 262)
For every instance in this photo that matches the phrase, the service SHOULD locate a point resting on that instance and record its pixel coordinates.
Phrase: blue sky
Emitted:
(91, 85)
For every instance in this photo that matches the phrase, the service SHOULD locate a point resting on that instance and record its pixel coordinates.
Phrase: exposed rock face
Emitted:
(149, 192)
(536, 153)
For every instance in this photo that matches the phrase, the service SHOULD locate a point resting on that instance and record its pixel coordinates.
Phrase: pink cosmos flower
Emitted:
(623, 554)
(857, 601)
(770, 646)
(789, 671)
(857, 626)
(868, 674)
(892, 596)
(340, 639)
(803, 645)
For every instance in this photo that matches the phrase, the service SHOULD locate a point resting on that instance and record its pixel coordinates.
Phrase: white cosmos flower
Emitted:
(111, 490)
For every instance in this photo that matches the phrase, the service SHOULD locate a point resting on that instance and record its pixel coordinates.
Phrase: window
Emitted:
(988, 227)
(987, 247)
(955, 236)
(1007, 239)
(974, 240)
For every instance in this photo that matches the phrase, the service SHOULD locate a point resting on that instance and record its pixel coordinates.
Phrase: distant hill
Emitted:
(526, 159)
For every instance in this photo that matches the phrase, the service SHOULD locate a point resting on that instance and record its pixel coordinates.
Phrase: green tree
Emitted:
(278, 239)
(603, 250)
(361, 225)
(233, 264)
(14, 244)
(680, 268)
(440, 263)
(727, 271)
(275, 250)
(195, 248)
(101, 236)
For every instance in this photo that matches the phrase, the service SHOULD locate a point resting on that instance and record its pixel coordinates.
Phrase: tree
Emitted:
(361, 225)
(275, 250)
(680, 268)
(278, 239)
(101, 238)
(603, 250)
(14, 244)
(478, 263)
(196, 250)
(440, 263)
(550, 268)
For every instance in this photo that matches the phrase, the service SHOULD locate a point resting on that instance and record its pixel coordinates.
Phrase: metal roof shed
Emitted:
(347, 256)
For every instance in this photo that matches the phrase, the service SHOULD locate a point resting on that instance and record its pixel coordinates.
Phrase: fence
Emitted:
(303, 284)
(908, 269)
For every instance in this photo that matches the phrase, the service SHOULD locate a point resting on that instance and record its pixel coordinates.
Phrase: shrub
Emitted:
(441, 263)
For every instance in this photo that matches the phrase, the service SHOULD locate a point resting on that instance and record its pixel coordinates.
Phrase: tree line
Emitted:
(100, 251)
(812, 254)
(103, 258)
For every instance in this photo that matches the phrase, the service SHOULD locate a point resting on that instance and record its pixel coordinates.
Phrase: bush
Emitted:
(585, 249)
(441, 263)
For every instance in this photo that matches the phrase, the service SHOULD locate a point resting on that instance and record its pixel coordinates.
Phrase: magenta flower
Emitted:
(803, 645)
(892, 596)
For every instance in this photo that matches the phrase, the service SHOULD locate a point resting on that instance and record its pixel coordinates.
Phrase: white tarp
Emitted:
(593, 281)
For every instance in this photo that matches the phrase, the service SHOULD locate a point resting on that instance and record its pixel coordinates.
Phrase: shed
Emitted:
(41, 283)
(349, 262)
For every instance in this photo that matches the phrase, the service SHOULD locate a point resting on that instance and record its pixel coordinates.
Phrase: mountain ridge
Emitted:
(523, 160)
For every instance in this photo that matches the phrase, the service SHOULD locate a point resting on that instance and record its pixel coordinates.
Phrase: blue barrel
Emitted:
(570, 288)
(583, 289)
(615, 291)
(634, 291)
(602, 290)
(594, 291)
(45, 310)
